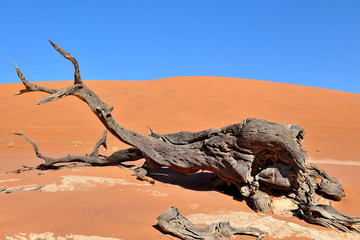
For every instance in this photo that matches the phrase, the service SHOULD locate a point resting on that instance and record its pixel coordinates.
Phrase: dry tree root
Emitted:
(171, 221)
(327, 216)
(261, 158)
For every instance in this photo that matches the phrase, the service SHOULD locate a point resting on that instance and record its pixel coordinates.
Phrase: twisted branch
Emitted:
(77, 77)
(94, 159)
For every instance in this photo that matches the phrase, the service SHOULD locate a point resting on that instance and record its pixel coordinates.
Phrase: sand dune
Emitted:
(100, 204)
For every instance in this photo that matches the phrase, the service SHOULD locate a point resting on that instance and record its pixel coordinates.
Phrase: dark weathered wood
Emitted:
(94, 158)
(260, 202)
(171, 221)
(327, 216)
(259, 157)
(328, 187)
(236, 153)
(77, 77)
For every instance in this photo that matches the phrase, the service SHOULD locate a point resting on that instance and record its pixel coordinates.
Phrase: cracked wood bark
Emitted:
(94, 159)
(229, 151)
(327, 216)
(255, 155)
(328, 187)
(171, 221)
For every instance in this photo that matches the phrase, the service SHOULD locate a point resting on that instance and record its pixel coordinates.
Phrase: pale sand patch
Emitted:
(193, 205)
(83, 183)
(9, 180)
(283, 207)
(51, 236)
(153, 193)
(333, 161)
(276, 228)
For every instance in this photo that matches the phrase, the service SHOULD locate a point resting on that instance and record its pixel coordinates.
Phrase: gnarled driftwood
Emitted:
(171, 221)
(259, 157)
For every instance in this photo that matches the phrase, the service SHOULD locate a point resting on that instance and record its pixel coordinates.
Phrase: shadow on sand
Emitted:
(200, 181)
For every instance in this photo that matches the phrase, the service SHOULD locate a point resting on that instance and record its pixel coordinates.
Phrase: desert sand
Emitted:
(108, 203)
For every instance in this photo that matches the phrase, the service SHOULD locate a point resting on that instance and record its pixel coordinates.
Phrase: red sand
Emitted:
(331, 120)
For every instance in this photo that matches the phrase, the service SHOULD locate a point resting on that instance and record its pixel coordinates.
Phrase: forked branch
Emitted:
(94, 159)
(30, 87)
(81, 91)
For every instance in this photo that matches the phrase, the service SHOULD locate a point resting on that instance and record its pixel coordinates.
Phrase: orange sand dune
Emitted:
(103, 205)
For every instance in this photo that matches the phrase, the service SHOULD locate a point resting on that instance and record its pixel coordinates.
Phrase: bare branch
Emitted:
(30, 87)
(101, 142)
(36, 149)
(93, 159)
(130, 154)
(66, 55)
(57, 95)
(98, 107)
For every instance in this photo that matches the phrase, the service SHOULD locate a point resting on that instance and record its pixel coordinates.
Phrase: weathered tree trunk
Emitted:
(255, 155)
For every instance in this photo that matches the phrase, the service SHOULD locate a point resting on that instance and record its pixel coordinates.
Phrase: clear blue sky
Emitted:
(306, 42)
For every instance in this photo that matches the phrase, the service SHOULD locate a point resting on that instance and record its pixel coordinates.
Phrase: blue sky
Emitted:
(305, 42)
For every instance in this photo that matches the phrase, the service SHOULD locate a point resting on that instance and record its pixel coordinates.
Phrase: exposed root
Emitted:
(327, 216)
(171, 221)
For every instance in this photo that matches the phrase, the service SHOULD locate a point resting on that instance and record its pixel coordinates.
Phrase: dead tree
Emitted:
(260, 158)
